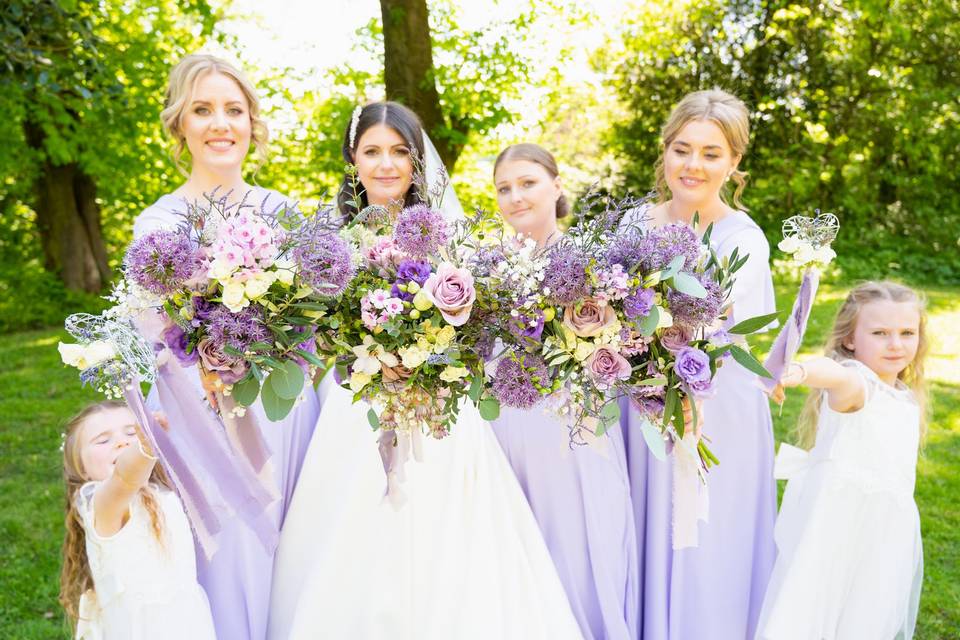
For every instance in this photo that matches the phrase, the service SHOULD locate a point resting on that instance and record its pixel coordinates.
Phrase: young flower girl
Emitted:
(129, 566)
(850, 561)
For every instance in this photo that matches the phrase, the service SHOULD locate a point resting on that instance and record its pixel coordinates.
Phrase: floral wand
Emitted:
(807, 240)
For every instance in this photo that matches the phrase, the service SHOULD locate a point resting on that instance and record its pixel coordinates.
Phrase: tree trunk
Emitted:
(408, 70)
(68, 220)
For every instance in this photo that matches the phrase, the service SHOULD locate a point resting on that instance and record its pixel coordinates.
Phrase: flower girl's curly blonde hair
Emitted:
(75, 578)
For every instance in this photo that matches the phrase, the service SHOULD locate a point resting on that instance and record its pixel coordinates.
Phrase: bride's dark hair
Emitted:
(406, 124)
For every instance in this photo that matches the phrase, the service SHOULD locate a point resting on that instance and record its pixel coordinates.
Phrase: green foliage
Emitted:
(854, 111)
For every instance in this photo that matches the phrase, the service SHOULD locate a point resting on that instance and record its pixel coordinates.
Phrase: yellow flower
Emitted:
(549, 314)
(584, 350)
(358, 380)
(234, 296)
(421, 301)
(452, 373)
(413, 356)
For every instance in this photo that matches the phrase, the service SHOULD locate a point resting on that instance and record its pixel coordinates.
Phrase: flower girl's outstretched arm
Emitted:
(844, 385)
(131, 472)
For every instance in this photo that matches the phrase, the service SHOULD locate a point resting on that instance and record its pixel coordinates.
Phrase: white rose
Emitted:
(789, 244)
(234, 297)
(805, 253)
(825, 255)
(259, 284)
(220, 270)
(286, 268)
(358, 380)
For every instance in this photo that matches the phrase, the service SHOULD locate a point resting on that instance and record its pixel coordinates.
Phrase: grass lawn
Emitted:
(37, 394)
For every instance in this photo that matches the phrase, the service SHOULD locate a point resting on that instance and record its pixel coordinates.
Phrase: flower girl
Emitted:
(850, 561)
(129, 566)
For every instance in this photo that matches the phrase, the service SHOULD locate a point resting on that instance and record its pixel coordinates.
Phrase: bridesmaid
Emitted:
(580, 497)
(714, 590)
(212, 112)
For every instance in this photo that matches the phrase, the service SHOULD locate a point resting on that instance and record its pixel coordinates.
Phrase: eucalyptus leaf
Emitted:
(275, 407)
(286, 380)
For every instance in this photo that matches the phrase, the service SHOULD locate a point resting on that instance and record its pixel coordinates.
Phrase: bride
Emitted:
(463, 556)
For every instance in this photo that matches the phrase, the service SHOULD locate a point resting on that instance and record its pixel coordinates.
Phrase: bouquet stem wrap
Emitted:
(690, 497)
(396, 448)
(791, 334)
(213, 483)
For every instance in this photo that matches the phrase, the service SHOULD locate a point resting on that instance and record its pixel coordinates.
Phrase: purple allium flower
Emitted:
(178, 342)
(237, 330)
(162, 261)
(420, 230)
(626, 249)
(697, 311)
(638, 303)
(661, 245)
(514, 378)
(566, 276)
(324, 263)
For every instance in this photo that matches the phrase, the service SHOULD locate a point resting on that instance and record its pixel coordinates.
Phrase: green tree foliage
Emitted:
(82, 88)
(855, 110)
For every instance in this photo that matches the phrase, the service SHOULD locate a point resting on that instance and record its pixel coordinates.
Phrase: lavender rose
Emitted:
(607, 366)
(676, 338)
(589, 318)
(230, 369)
(693, 367)
(451, 291)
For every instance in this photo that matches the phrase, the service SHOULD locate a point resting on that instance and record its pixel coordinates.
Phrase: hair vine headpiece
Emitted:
(354, 122)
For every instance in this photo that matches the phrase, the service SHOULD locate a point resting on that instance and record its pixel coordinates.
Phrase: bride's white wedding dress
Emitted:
(462, 558)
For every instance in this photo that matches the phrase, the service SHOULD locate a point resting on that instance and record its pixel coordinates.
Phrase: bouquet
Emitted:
(612, 310)
(407, 326)
(245, 292)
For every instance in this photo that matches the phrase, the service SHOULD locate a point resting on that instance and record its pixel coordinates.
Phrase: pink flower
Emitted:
(230, 368)
(369, 319)
(606, 366)
(378, 298)
(451, 291)
(676, 337)
(384, 254)
(393, 306)
(589, 318)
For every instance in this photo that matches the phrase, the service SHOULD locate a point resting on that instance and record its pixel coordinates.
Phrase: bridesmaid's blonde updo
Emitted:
(723, 109)
(183, 81)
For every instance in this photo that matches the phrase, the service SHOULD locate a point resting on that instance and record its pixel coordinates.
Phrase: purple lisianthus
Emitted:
(202, 308)
(719, 339)
(650, 407)
(162, 261)
(693, 367)
(420, 230)
(324, 263)
(565, 278)
(178, 342)
(638, 303)
(410, 271)
(515, 377)
(697, 311)
(661, 245)
(527, 327)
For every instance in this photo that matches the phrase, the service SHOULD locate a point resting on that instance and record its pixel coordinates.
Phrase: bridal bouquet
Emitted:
(614, 310)
(407, 322)
(246, 292)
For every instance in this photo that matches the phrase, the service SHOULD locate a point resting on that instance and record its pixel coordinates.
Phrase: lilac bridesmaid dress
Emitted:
(714, 590)
(238, 577)
(581, 500)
